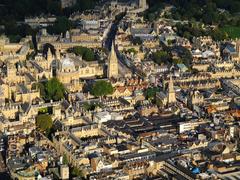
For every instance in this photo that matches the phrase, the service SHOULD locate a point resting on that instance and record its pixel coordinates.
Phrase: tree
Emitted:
(101, 88)
(177, 61)
(218, 35)
(41, 87)
(90, 106)
(89, 55)
(136, 41)
(61, 25)
(150, 93)
(75, 172)
(86, 53)
(160, 57)
(54, 89)
(131, 50)
(187, 35)
(65, 159)
(44, 122)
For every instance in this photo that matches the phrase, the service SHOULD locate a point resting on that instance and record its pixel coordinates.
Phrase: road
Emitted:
(123, 69)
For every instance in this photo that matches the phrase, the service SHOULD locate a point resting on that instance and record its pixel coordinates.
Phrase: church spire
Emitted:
(112, 63)
(171, 91)
(49, 54)
(49, 57)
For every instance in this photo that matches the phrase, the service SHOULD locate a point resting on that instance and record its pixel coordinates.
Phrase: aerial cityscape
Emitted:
(120, 89)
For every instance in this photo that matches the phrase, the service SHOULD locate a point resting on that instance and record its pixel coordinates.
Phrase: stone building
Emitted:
(171, 92)
(112, 64)
(72, 69)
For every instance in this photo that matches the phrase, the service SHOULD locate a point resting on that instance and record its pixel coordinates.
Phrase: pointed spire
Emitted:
(113, 56)
(112, 63)
(171, 91)
(49, 57)
(171, 86)
(49, 54)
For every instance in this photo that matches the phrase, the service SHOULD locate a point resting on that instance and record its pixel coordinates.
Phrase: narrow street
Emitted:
(123, 69)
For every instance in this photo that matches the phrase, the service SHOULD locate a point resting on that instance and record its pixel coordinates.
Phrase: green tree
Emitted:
(61, 25)
(86, 53)
(41, 87)
(54, 89)
(218, 35)
(43, 110)
(136, 41)
(177, 61)
(160, 57)
(44, 122)
(51, 90)
(101, 88)
(65, 159)
(131, 50)
(187, 35)
(90, 106)
(75, 172)
(150, 93)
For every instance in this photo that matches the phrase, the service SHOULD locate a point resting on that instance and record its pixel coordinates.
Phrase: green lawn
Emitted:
(232, 31)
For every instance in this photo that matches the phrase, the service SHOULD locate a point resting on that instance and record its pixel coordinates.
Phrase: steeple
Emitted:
(49, 54)
(143, 4)
(171, 92)
(112, 63)
(49, 57)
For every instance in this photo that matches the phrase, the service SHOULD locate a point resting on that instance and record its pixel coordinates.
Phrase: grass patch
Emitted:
(232, 31)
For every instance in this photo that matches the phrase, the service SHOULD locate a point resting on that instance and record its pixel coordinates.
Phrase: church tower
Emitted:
(49, 58)
(58, 54)
(11, 72)
(143, 4)
(171, 92)
(112, 63)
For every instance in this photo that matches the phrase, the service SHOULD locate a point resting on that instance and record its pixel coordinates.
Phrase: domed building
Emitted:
(67, 65)
(72, 69)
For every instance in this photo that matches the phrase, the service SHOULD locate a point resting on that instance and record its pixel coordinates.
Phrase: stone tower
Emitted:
(11, 72)
(112, 64)
(49, 58)
(171, 92)
(143, 4)
(64, 172)
(58, 54)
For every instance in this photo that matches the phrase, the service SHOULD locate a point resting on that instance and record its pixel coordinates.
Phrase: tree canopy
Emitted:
(220, 13)
(61, 25)
(86, 53)
(44, 122)
(136, 40)
(12, 11)
(101, 88)
(65, 159)
(161, 57)
(131, 50)
(52, 89)
(191, 30)
(76, 172)
(18, 9)
(150, 93)
(206, 11)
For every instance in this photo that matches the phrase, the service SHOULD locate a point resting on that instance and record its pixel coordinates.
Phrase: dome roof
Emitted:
(67, 63)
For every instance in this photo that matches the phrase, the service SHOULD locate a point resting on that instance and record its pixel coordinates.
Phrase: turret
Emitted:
(171, 92)
(112, 63)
